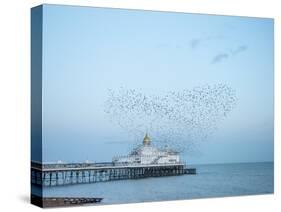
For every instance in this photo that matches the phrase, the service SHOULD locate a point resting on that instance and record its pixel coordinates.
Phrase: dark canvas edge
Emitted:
(36, 98)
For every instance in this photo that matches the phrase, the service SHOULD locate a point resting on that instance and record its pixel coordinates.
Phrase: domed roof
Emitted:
(146, 140)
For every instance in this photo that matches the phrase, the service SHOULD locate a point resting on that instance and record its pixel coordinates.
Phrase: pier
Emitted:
(59, 174)
(47, 202)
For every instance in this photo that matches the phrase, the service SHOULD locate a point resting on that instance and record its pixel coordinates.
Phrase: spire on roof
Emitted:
(146, 140)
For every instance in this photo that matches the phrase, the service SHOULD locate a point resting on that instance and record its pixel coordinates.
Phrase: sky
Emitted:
(87, 51)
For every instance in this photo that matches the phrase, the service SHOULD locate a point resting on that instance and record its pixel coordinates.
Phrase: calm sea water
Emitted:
(211, 181)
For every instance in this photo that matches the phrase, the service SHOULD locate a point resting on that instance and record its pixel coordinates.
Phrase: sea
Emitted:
(214, 180)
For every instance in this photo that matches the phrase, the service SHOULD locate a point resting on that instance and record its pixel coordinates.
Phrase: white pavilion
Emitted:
(147, 154)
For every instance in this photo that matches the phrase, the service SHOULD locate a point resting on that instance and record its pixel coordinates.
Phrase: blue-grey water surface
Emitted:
(210, 181)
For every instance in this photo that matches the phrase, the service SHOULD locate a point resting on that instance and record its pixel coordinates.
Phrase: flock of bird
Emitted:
(177, 119)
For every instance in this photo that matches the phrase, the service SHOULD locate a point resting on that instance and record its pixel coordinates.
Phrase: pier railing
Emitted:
(55, 174)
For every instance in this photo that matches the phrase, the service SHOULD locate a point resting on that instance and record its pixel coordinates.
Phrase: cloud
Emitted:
(219, 57)
(239, 49)
(226, 55)
(194, 43)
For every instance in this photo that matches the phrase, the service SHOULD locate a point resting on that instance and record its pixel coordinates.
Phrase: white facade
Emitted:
(147, 154)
